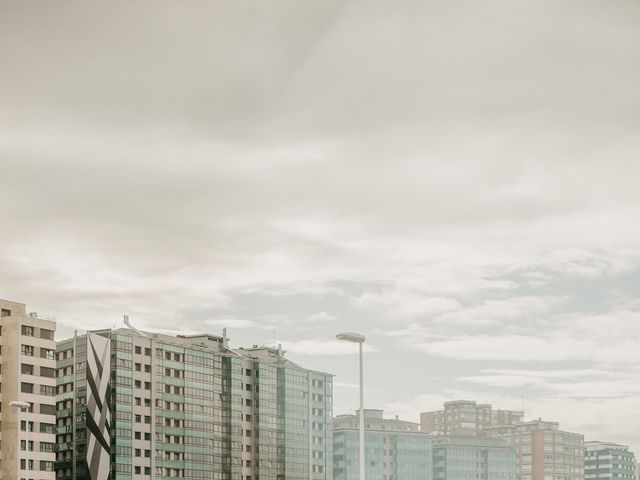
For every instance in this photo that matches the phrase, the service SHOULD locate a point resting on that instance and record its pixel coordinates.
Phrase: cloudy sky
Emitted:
(457, 180)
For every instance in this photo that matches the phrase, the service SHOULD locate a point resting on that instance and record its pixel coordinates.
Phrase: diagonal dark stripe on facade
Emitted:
(93, 428)
(94, 390)
(96, 359)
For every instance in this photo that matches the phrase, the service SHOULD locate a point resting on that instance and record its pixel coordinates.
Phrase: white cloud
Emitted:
(318, 347)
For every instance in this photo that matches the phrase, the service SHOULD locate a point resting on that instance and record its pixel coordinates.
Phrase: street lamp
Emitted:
(359, 339)
(22, 406)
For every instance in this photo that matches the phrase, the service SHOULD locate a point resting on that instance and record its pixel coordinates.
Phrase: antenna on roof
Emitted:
(128, 324)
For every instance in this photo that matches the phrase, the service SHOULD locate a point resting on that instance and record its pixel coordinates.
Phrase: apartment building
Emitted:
(394, 449)
(138, 405)
(608, 460)
(466, 418)
(397, 450)
(27, 374)
(478, 458)
(544, 452)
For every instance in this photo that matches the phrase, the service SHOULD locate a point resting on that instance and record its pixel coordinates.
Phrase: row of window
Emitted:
(28, 369)
(29, 351)
(28, 331)
(44, 465)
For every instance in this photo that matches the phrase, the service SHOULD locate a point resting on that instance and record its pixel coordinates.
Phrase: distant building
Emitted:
(397, 450)
(544, 452)
(608, 460)
(466, 418)
(137, 406)
(394, 449)
(478, 458)
(27, 361)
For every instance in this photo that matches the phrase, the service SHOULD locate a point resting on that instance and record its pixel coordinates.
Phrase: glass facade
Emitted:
(192, 408)
(463, 458)
(396, 450)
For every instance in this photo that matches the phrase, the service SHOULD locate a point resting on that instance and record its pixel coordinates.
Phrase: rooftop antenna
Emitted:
(128, 324)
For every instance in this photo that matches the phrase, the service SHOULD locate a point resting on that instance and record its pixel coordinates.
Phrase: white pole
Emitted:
(362, 476)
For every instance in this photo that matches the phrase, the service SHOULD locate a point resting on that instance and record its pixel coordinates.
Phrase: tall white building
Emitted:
(27, 374)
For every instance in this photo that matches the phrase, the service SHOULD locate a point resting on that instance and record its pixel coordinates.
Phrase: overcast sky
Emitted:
(457, 180)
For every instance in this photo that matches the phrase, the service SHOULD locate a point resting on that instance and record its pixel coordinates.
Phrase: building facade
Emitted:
(394, 449)
(478, 458)
(27, 374)
(608, 460)
(466, 418)
(134, 405)
(544, 452)
(398, 450)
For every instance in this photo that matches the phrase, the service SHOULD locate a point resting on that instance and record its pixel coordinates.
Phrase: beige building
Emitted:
(27, 374)
(544, 452)
(466, 418)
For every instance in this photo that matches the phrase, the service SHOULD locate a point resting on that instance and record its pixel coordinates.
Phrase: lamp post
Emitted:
(21, 406)
(359, 339)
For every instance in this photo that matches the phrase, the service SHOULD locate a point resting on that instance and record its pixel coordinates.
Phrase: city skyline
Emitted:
(455, 180)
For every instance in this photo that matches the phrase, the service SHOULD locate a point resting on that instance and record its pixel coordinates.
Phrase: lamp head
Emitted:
(350, 337)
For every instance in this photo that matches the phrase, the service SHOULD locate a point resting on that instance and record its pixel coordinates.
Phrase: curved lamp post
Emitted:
(359, 339)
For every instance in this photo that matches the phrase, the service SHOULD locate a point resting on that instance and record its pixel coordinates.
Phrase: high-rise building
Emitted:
(544, 452)
(27, 374)
(478, 458)
(608, 460)
(394, 449)
(466, 418)
(150, 406)
(397, 450)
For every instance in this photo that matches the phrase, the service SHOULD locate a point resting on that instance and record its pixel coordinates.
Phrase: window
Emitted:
(47, 372)
(24, 445)
(138, 350)
(46, 466)
(27, 331)
(47, 390)
(47, 447)
(26, 387)
(137, 435)
(47, 409)
(27, 350)
(26, 426)
(46, 334)
(138, 367)
(26, 369)
(5, 313)
(47, 353)
(47, 428)
(147, 352)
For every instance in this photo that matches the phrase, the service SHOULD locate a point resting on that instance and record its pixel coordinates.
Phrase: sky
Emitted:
(456, 180)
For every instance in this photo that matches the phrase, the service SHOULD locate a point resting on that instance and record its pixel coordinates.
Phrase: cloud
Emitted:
(318, 347)
(232, 323)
